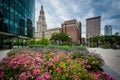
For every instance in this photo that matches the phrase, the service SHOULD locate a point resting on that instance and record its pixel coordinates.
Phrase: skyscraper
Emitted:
(108, 30)
(41, 24)
(93, 27)
(17, 19)
(73, 29)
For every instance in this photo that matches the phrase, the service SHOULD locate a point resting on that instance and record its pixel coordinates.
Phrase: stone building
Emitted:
(41, 24)
(50, 32)
(93, 27)
(73, 29)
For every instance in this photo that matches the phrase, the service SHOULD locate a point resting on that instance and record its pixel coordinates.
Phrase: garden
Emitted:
(48, 63)
(43, 61)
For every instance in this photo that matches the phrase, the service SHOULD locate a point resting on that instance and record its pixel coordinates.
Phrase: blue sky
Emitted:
(58, 11)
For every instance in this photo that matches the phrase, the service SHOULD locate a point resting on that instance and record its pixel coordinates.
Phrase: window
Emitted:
(6, 21)
(16, 13)
(11, 10)
(12, 3)
(6, 13)
(11, 16)
(6, 6)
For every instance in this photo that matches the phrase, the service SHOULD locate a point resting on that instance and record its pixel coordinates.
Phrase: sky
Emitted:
(58, 11)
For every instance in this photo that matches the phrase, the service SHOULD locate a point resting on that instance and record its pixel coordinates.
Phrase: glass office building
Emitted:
(17, 20)
(108, 30)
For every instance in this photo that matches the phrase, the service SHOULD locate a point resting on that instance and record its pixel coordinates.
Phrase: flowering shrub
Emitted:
(46, 65)
(13, 52)
(91, 62)
(103, 76)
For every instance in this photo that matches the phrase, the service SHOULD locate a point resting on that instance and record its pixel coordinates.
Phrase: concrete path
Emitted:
(3, 53)
(112, 60)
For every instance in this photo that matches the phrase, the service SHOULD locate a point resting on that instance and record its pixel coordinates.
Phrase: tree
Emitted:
(61, 37)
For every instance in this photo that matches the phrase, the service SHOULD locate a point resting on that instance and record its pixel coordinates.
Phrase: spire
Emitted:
(41, 11)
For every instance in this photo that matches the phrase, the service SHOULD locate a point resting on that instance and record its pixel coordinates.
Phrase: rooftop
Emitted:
(93, 18)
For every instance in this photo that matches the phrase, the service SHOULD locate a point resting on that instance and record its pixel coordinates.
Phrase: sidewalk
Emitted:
(3, 53)
(112, 61)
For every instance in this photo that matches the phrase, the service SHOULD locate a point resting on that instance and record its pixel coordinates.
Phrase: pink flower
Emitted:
(38, 78)
(1, 75)
(50, 63)
(1, 67)
(66, 75)
(15, 66)
(24, 51)
(36, 71)
(25, 66)
(10, 63)
(23, 76)
(4, 59)
(47, 76)
(58, 70)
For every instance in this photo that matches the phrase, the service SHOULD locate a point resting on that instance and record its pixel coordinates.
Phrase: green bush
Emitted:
(44, 41)
(93, 44)
(106, 46)
(31, 42)
(63, 47)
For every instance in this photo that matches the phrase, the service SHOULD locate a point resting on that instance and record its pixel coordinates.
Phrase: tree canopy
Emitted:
(61, 37)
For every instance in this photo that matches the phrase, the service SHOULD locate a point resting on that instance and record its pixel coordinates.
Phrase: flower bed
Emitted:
(49, 65)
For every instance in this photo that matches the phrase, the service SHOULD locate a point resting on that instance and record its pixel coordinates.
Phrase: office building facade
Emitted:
(73, 29)
(108, 30)
(17, 19)
(93, 27)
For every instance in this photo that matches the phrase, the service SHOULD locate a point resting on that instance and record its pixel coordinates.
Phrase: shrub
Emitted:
(62, 47)
(44, 41)
(31, 42)
(93, 44)
(106, 46)
(48, 66)
(13, 52)
(90, 61)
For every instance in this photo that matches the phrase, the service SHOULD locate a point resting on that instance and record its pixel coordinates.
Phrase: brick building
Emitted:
(73, 29)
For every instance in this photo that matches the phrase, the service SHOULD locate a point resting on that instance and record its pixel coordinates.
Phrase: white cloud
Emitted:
(37, 10)
(58, 11)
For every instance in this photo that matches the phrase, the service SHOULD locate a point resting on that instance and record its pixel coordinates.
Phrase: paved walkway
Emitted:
(112, 60)
(3, 53)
